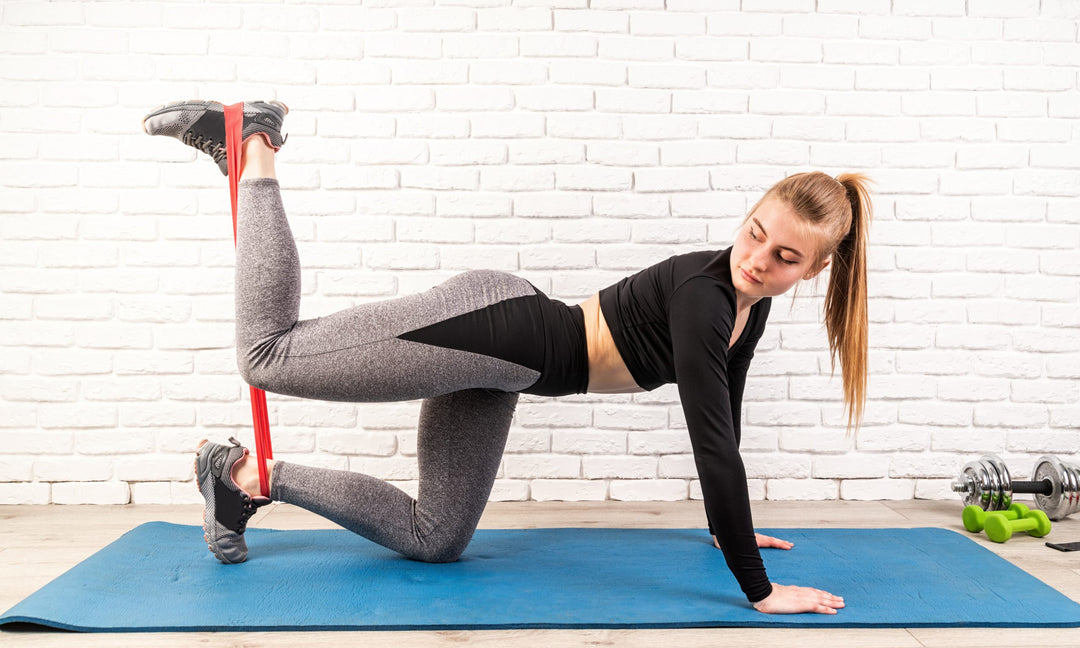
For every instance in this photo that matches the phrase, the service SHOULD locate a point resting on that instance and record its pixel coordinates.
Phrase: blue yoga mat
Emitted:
(160, 577)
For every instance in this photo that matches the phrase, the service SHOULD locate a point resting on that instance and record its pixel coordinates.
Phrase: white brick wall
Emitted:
(570, 142)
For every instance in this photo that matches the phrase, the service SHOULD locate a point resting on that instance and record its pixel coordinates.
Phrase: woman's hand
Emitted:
(764, 542)
(792, 599)
(769, 542)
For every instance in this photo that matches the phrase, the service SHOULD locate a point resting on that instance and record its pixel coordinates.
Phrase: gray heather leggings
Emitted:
(356, 355)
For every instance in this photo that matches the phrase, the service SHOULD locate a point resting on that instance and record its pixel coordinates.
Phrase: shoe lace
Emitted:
(248, 510)
(207, 145)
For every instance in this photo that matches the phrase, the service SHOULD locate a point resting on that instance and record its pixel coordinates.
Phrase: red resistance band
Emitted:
(234, 126)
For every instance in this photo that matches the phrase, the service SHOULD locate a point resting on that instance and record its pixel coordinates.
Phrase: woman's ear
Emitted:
(816, 270)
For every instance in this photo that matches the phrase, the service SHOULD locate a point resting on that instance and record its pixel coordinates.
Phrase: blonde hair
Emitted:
(840, 210)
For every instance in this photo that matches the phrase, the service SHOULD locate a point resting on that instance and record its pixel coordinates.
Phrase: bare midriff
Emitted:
(607, 371)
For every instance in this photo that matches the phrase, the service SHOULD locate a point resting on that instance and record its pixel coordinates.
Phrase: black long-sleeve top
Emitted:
(672, 323)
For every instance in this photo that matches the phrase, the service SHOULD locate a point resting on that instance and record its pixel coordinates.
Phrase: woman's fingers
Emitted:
(791, 599)
(769, 542)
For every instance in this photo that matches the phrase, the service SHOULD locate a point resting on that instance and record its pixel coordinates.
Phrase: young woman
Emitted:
(469, 346)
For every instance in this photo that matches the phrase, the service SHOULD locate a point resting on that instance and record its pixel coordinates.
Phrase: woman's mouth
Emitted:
(749, 277)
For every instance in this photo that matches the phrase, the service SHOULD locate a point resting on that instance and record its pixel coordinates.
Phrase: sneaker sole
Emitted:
(178, 104)
(206, 532)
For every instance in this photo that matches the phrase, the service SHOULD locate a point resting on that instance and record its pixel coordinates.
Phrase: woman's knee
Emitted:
(443, 546)
(254, 373)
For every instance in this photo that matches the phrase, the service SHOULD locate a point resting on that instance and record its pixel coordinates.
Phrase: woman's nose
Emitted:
(759, 258)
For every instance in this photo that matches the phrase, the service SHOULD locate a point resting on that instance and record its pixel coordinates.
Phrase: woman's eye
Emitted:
(787, 261)
(753, 234)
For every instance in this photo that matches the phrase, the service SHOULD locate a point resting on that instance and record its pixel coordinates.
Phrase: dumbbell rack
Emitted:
(986, 483)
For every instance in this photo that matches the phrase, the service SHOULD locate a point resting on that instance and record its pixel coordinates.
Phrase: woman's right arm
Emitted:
(699, 335)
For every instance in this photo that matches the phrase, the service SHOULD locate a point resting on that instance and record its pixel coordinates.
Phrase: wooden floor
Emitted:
(38, 543)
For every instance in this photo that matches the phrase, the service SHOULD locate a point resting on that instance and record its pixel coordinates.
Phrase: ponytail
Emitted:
(846, 314)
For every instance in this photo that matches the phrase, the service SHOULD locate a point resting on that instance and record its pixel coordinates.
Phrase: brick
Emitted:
(378, 444)
(680, 466)
(1045, 391)
(910, 80)
(588, 442)
(1049, 341)
(1057, 289)
(787, 102)
(1033, 130)
(726, 209)
(848, 467)
(1000, 9)
(632, 48)
(593, 179)
(894, 439)
(81, 416)
(877, 489)
(516, 179)
(616, 467)
(771, 464)
(802, 489)
(923, 465)
(516, 20)
(659, 442)
(542, 466)
(1064, 417)
(565, 490)
(936, 414)
(538, 441)
(24, 493)
(671, 179)
(1056, 442)
(637, 99)
(1063, 365)
(546, 152)
(561, 205)
(156, 415)
(509, 490)
(773, 153)
(649, 490)
(934, 489)
(604, 22)
(434, 230)
(15, 361)
(589, 73)
(778, 6)
(1040, 29)
(1061, 316)
(159, 468)
(513, 72)
(443, 19)
(1010, 416)
(558, 257)
(463, 257)
(895, 28)
(91, 493)
(938, 104)
(154, 493)
(860, 53)
(86, 469)
(688, 232)
(628, 418)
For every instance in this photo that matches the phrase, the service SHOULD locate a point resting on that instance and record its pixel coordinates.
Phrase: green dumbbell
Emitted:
(1000, 529)
(975, 518)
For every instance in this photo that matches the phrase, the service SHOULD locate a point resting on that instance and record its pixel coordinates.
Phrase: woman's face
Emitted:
(772, 252)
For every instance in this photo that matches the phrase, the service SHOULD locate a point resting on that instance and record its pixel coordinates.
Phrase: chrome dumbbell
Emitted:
(1055, 484)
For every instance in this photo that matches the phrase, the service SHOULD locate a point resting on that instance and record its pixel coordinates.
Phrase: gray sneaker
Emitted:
(201, 124)
(228, 507)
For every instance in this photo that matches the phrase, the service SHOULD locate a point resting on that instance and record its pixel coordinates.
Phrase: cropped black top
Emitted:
(672, 323)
